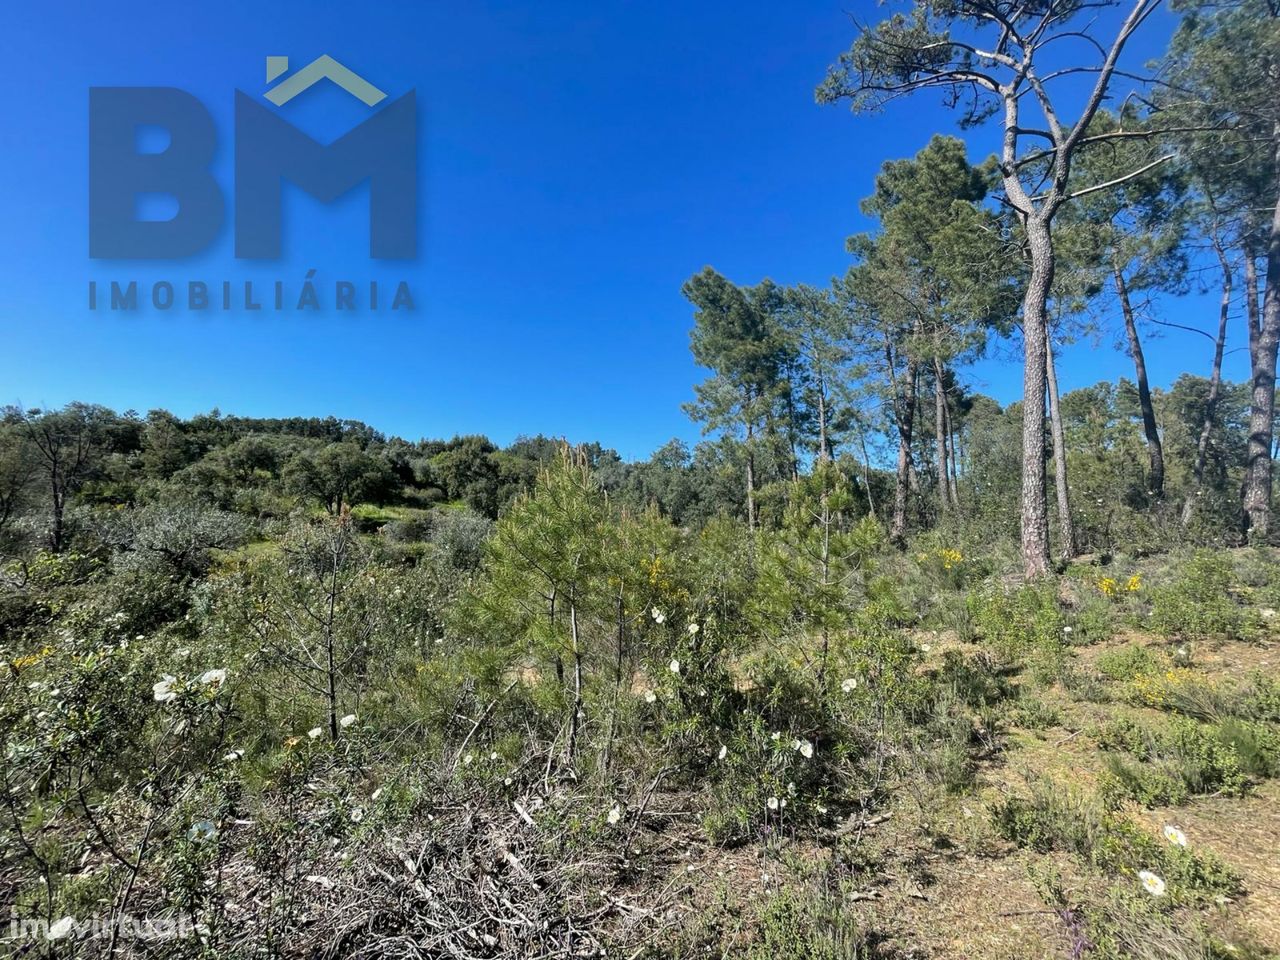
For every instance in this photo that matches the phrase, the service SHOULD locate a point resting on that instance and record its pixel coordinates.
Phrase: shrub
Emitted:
(1054, 818)
(799, 927)
(1199, 604)
(1127, 662)
(1022, 625)
(1169, 767)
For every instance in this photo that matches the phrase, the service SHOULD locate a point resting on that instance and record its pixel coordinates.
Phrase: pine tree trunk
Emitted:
(940, 434)
(1034, 510)
(1155, 450)
(905, 416)
(823, 453)
(866, 474)
(1066, 525)
(1264, 337)
(751, 480)
(1215, 384)
(954, 447)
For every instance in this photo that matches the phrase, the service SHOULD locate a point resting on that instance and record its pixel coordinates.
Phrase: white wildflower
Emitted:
(347, 721)
(724, 752)
(233, 756)
(214, 677)
(849, 684)
(693, 629)
(1151, 883)
(806, 749)
(163, 691)
(773, 803)
(674, 666)
(60, 928)
(1174, 835)
(202, 830)
(658, 616)
(650, 696)
(615, 814)
(314, 732)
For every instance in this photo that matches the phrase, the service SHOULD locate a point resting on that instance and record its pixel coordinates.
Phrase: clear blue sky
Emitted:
(581, 160)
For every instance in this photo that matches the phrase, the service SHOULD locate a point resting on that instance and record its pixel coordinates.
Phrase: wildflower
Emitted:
(202, 830)
(925, 648)
(615, 814)
(163, 691)
(1108, 586)
(233, 756)
(674, 666)
(213, 677)
(1151, 883)
(772, 803)
(375, 795)
(1066, 630)
(650, 696)
(357, 814)
(724, 752)
(693, 629)
(806, 749)
(466, 761)
(849, 685)
(60, 928)
(291, 742)
(658, 616)
(347, 721)
(1134, 583)
(493, 755)
(1174, 835)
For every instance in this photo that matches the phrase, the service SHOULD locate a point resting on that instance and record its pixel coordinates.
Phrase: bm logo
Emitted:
(268, 151)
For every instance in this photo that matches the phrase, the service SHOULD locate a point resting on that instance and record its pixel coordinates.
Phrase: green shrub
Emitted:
(1127, 662)
(1023, 625)
(795, 926)
(1054, 818)
(1171, 766)
(1199, 604)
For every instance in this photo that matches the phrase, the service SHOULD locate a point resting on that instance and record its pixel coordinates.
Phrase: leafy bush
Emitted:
(1171, 766)
(1054, 818)
(1200, 603)
(1127, 662)
(1026, 624)
(793, 926)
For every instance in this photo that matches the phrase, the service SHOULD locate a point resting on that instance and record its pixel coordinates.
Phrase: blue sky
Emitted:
(580, 161)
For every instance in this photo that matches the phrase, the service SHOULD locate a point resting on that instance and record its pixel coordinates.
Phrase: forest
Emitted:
(879, 668)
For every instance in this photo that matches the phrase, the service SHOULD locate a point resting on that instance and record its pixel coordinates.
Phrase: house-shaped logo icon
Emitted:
(321, 68)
